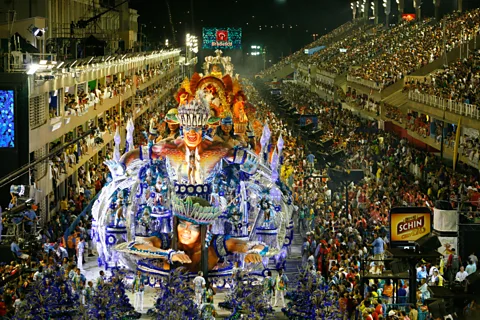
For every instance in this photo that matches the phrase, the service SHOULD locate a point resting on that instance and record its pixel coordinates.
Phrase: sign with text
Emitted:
(409, 224)
(222, 38)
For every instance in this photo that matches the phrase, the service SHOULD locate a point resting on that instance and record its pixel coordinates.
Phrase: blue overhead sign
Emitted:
(313, 50)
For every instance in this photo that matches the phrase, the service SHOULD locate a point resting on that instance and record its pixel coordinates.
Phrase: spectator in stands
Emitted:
(473, 258)
(453, 264)
(471, 267)
(461, 275)
(413, 314)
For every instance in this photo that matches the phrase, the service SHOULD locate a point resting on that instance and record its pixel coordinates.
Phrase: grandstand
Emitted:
(400, 76)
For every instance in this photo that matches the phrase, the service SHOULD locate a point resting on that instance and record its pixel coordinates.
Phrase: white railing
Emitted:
(461, 108)
(367, 83)
(327, 74)
(325, 79)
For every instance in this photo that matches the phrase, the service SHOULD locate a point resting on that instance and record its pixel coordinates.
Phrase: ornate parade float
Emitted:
(205, 195)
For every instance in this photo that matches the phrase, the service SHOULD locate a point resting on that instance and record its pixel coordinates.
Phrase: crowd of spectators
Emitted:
(79, 103)
(384, 56)
(337, 239)
(426, 41)
(469, 145)
(459, 81)
(300, 54)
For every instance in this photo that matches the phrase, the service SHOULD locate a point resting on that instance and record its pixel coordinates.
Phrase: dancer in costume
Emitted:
(280, 287)
(138, 289)
(199, 286)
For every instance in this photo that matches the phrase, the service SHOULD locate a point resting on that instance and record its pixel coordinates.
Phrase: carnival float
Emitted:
(205, 194)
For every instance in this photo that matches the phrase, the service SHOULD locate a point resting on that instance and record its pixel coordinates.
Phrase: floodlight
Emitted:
(33, 68)
(37, 32)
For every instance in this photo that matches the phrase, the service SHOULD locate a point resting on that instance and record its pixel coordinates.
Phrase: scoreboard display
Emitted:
(222, 38)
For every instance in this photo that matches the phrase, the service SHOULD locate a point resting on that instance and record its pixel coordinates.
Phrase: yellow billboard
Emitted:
(409, 226)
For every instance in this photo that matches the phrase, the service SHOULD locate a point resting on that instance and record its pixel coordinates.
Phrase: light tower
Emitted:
(418, 10)
(354, 9)
(374, 7)
(436, 3)
(401, 9)
(387, 5)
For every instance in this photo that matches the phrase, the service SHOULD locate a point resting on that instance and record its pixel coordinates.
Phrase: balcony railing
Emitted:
(367, 83)
(464, 109)
(327, 74)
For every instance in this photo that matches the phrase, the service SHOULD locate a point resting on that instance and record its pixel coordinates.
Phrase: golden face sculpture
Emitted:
(226, 128)
(188, 233)
(192, 136)
(173, 126)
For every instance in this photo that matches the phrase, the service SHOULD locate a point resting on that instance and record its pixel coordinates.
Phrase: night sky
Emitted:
(286, 25)
(290, 23)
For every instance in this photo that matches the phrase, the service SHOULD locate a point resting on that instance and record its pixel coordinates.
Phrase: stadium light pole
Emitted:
(437, 9)
(459, 5)
(387, 6)
(354, 9)
(401, 9)
(373, 6)
(418, 10)
(365, 9)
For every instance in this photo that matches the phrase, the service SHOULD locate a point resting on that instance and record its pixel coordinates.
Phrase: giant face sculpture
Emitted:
(192, 136)
(188, 233)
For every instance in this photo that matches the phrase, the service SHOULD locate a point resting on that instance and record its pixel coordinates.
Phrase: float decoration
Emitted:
(202, 173)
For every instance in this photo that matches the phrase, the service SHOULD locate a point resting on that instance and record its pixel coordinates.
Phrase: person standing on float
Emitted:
(138, 289)
(199, 287)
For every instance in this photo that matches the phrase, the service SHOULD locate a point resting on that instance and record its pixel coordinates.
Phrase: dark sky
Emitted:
(305, 16)
(287, 25)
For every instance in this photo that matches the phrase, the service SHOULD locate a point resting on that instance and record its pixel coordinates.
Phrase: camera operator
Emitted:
(17, 252)
(29, 218)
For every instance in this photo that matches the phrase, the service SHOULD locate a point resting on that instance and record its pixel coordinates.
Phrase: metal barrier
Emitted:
(460, 108)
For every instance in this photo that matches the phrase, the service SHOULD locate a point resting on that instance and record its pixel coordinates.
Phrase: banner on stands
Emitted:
(445, 220)
(408, 224)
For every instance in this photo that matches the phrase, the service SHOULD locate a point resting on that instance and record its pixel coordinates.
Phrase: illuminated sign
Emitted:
(408, 16)
(409, 225)
(222, 38)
